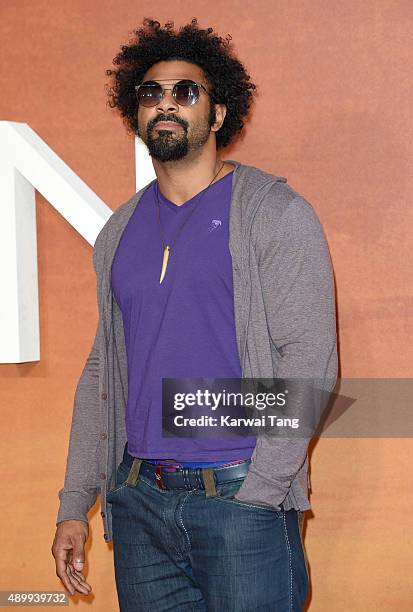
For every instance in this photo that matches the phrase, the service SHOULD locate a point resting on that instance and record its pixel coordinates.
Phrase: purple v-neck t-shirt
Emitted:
(183, 327)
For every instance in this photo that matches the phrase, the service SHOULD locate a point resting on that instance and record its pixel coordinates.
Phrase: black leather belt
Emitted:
(187, 478)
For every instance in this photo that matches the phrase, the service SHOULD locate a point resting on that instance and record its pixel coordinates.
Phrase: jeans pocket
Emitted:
(226, 493)
(122, 474)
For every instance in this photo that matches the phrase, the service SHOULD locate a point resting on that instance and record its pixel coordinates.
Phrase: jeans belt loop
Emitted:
(133, 475)
(209, 482)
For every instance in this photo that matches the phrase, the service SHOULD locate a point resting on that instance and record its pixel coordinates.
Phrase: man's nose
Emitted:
(167, 102)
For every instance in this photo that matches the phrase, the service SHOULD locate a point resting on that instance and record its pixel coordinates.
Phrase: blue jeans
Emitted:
(181, 550)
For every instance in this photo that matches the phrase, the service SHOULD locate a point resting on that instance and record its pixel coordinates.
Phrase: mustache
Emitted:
(168, 119)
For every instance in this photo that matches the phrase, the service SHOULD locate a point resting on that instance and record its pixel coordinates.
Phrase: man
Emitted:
(216, 269)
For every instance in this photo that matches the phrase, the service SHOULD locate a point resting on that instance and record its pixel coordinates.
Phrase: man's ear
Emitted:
(220, 113)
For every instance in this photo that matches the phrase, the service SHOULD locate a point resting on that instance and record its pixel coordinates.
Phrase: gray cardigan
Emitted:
(285, 326)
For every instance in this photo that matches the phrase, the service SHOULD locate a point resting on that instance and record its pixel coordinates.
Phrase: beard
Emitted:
(167, 145)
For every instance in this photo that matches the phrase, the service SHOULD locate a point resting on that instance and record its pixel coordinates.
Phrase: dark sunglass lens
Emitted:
(149, 94)
(186, 92)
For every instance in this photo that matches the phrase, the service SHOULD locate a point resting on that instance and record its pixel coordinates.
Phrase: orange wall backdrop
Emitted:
(333, 116)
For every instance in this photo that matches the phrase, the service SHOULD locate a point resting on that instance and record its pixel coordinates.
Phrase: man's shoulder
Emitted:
(270, 188)
(273, 191)
(255, 176)
(277, 205)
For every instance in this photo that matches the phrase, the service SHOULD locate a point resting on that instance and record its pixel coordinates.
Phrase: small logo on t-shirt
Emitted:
(214, 224)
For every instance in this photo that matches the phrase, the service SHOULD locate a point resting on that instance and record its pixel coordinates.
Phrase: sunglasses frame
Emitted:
(155, 83)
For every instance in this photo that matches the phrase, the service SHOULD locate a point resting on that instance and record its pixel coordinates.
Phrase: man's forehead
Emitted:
(174, 71)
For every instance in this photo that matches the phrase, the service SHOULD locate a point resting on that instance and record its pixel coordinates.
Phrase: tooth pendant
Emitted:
(165, 261)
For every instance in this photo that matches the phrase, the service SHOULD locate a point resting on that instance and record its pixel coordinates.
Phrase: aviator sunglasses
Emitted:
(186, 92)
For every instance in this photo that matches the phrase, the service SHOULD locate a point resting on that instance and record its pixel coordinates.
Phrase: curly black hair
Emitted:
(227, 77)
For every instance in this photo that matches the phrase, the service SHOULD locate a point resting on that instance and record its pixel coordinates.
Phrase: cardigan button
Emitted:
(104, 396)
(103, 436)
(103, 476)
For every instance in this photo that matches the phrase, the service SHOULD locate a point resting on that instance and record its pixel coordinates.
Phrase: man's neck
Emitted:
(180, 182)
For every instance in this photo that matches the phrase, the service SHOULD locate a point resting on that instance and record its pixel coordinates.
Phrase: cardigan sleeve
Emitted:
(297, 285)
(82, 482)
(81, 485)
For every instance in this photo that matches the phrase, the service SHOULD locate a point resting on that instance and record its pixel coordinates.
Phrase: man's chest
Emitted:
(199, 258)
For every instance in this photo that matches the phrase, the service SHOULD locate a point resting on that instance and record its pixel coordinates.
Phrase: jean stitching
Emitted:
(181, 520)
(227, 467)
(246, 504)
(303, 549)
(289, 560)
(116, 489)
